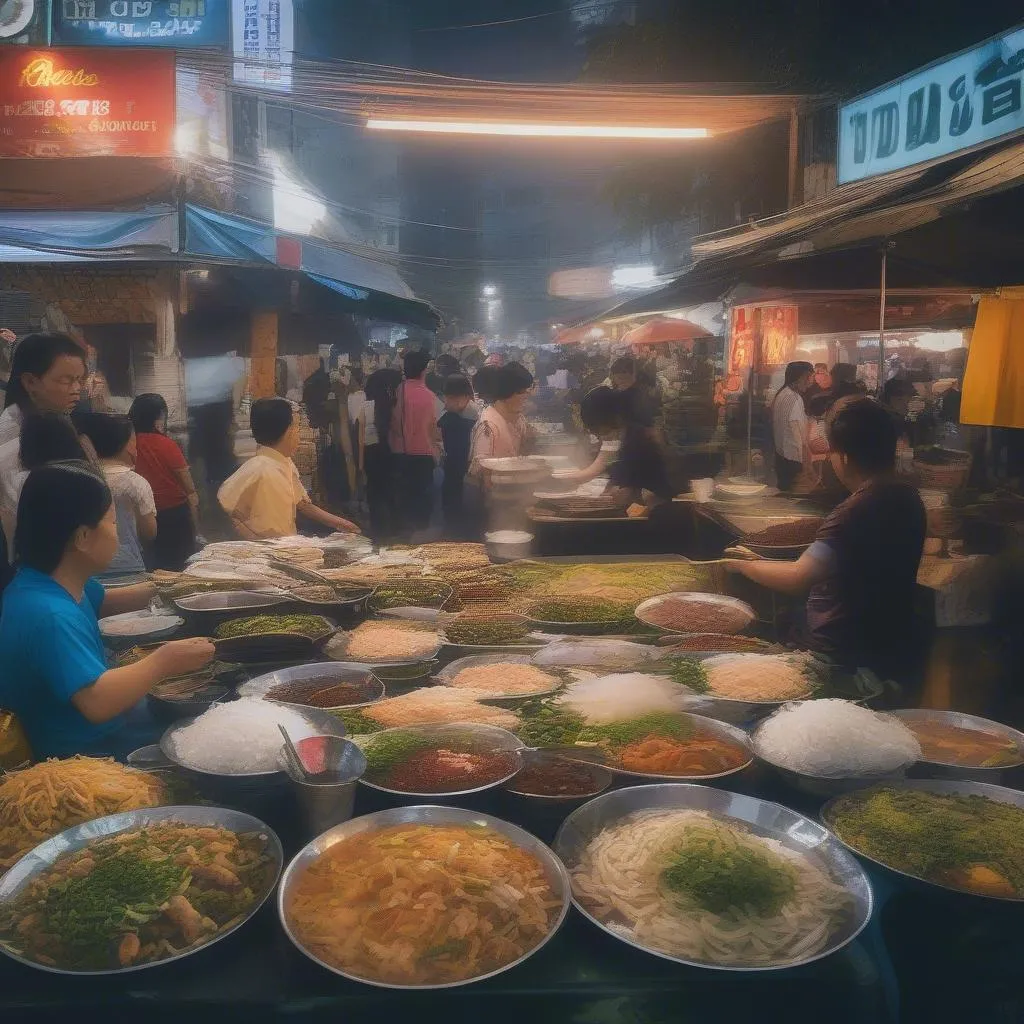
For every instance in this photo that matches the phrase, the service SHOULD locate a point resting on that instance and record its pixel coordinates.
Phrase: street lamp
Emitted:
(489, 291)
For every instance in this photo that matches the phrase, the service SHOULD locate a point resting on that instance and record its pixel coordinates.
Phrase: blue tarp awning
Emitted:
(30, 236)
(222, 236)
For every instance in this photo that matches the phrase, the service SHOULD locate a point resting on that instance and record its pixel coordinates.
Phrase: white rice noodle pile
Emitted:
(835, 739)
(618, 880)
(622, 696)
(599, 654)
(239, 738)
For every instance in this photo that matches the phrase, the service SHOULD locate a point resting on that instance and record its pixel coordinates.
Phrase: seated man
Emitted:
(860, 573)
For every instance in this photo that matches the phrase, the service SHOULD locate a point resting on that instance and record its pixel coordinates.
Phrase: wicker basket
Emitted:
(950, 477)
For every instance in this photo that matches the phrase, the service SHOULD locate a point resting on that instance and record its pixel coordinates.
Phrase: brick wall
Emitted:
(91, 297)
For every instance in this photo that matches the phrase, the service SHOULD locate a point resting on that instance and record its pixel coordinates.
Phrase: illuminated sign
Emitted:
(178, 23)
(74, 103)
(955, 104)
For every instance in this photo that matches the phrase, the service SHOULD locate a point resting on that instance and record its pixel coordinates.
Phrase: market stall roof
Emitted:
(660, 332)
(955, 226)
(77, 236)
(151, 235)
(222, 236)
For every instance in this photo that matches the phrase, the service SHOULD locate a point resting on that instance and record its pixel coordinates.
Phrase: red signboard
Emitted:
(779, 335)
(86, 102)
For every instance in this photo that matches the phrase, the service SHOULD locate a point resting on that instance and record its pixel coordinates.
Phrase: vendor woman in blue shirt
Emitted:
(53, 670)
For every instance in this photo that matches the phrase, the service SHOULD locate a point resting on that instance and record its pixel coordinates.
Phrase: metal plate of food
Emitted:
(631, 854)
(337, 648)
(440, 761)
(272, 637)
(229, 602)
(716, 751)
(319, 723)
(175, 921)
(316, 682)
(133, 628)
(496, 662)
(980, 842)
(418, 821)
(959, 746)
(688, 612)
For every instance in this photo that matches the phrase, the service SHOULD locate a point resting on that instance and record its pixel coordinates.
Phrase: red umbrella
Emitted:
(658, 332)
(576, 335)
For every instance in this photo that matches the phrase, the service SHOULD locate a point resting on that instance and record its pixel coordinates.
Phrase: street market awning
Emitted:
(955, 225)
(376, 286)
(34, 236)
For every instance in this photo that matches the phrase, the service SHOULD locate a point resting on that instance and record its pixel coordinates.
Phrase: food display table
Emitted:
(925, 957)
(955, 960)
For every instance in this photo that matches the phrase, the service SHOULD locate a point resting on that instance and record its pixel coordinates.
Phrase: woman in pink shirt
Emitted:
(502, 431)
(415, 443)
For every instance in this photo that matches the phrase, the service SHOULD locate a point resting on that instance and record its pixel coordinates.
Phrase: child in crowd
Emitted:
(113, 437)
(264, 496)
(456, 432)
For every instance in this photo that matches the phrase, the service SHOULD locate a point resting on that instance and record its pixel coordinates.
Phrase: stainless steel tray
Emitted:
(73, 839)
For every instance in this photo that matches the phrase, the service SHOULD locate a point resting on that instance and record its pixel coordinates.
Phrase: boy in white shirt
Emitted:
(265, 494)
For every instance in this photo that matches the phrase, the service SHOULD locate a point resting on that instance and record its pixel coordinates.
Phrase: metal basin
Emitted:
(761, 817)
(74, 839)
(426, 815)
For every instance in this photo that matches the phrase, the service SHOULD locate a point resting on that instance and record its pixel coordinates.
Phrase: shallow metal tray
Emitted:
(761, 817)
(73, 839)
(425, 815)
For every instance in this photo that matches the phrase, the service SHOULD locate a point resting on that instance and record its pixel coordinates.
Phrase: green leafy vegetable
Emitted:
(545, 724)
(687, 672)
(579, 609)
(120, 893)
(720, 870)
(358, 723)
(621, 734)
(257, 625)
(385, 751)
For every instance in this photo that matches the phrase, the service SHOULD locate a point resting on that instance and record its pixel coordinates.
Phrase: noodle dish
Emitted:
(423, 897)
(712, 879)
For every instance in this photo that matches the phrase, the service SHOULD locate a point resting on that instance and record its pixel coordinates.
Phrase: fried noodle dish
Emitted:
(423, 904)
(47, 798)
(138, 897)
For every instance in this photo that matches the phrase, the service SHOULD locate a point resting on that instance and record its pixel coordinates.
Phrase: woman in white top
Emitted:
(45, 438)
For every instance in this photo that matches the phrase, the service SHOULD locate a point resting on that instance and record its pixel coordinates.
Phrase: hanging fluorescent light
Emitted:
(579, 131)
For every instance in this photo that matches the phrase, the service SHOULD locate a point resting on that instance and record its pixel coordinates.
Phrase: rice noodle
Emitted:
(618, 880)
(616, 698)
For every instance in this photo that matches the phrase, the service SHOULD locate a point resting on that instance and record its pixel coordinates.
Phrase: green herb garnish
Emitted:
(687, 672)
(310, 626)
(632, 730)
(384, 751)
(357, 723)
(483, 632)
(118, 895)
(578, 609)
(545, 724)
(721, 871)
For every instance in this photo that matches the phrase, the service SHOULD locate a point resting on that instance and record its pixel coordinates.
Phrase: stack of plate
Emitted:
(578, 506)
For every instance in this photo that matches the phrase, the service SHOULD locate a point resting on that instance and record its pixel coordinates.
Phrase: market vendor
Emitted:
(53, 669)
(639, 472)
(860, 573)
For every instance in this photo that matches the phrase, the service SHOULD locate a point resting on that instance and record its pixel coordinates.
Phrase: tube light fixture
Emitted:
(580, 131)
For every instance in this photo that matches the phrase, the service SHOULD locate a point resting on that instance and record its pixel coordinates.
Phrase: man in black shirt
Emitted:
(637, 406)
(640, 465)
(860, 573)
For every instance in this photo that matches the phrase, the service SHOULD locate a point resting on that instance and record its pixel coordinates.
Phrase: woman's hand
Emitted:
(179, 657)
